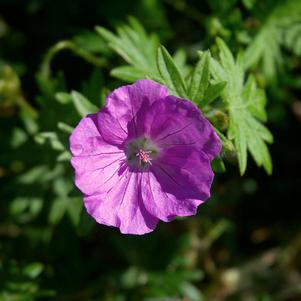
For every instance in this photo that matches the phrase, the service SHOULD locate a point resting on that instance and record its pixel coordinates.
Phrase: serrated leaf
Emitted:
(245, 103)
(225, 55)
(170, 73)
(134, 45)
(212, 93)
(82, 104)
(281, 23)
(128, 73)
(180, 58)
(130, 39)
(116, 44)
(91, 42)
(254, 52)
(200, 78)
(248, 135)
(292, 38)
(237, 132)
(217, 70)
(255, 99)
(262, 131)
(260, 152)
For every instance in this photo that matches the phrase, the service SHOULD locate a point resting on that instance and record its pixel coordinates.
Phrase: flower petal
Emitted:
(111, 129)
(177, 183)
(95, 161)
(122, 207)
(83, 139)
(124, 103)
(178, 121)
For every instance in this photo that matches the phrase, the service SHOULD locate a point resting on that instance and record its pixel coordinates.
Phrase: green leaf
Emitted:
(200, 78)
(91, 42)
(238, 132)
(82, 104)
(281, 27)
(128, 73)
(63, 97)
(75, 206)
(225, 55)
(249, 3)
(255, 99)
(250, 134)
(170, 73)
(246, 106)
(180, 58)
(134, 45)
(25, 209)
(57, 210)
(33, 270)
(50, 137)
(19, 137)
(260, 152)
(218, 165)
(65, 127)
(64, 156)
(292, 38)
(212, 93)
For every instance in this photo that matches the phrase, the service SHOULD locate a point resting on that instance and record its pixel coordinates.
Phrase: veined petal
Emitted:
(124, 103)
(97, 179)
(178, 121)
(94, 160)
(177, 183)
(111, 129)
(121, 206)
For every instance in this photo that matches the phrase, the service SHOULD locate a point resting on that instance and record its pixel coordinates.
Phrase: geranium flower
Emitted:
(144, 157)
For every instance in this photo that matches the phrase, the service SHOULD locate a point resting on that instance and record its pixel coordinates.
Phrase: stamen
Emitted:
(144, 156)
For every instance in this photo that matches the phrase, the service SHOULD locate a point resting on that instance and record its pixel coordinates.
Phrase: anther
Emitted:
(144, 156)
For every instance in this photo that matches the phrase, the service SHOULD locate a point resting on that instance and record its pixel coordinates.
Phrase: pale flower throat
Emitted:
(140, 152)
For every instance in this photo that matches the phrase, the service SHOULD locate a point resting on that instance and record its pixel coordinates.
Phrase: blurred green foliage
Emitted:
(239, 61)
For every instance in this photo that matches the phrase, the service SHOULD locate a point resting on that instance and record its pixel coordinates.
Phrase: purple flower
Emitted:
(144, 157)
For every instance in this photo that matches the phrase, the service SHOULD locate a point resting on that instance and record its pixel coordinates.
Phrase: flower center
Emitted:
(141, 152)
(144, 156)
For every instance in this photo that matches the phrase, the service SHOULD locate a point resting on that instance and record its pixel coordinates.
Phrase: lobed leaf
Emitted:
(135, 46)
(170, 73)
(200, 78)
(246, 106)
(128, 73)
(82, 104)
(212, 93)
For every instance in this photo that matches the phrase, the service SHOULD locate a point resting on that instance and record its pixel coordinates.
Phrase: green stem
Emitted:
(62, 45)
